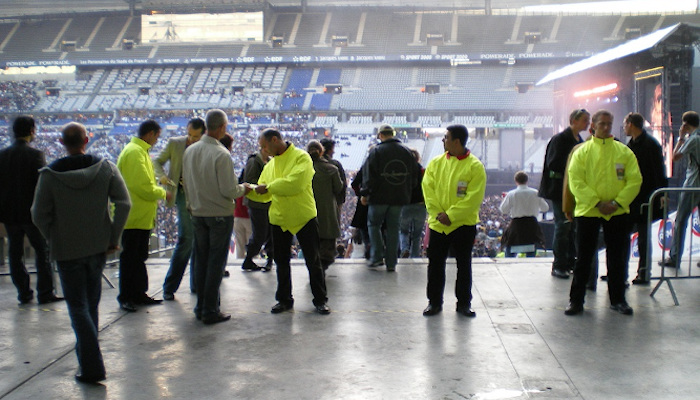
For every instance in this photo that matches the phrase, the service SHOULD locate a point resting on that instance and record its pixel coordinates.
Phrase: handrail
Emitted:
(664, 278)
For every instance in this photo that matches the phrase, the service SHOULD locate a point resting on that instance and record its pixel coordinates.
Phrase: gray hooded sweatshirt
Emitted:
(73, 206)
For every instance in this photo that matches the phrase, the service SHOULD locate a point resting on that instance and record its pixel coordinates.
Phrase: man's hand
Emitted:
(261, 189)
(247, 187)
(364, 200)
(168, 195)
(569, 216)
(607, 207)
(444, 219)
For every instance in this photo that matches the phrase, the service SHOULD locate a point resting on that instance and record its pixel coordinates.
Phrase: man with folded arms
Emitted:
(604, 178)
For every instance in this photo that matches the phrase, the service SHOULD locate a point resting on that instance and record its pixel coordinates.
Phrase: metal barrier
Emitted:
(115, 257)
(664, 192)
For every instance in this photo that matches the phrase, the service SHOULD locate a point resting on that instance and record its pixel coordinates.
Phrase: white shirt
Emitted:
(523, 202)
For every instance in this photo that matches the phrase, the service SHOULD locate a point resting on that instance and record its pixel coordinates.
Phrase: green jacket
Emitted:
(603, 170)
(456, 187)
(137, 170)
(288, 177)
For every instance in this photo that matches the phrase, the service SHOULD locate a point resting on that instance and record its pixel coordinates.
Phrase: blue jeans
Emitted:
(184, 249)
(18, 271)
(411, 228)
(82, 287)
(212, 238)
(379, 214)
(563, 259)
(686, 203)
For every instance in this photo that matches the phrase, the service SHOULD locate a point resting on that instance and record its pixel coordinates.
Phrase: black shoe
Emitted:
(148, 301)
(574, 309)
(249, 266)
(466, 311)
(604, 278)
(50, 299)
(198, 316)
(226, 273)
(560, 274)
(375, 264)
(268, 266)
(640, 281)
(323, 309)
(432, 310)
(26, 298)
(668, 263)
(89, 379)
(281, 307)
(622, 308)
(216, 318)
(168, 296)
(128, 306)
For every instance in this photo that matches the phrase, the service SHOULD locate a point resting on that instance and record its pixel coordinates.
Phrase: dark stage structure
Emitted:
(652, 75)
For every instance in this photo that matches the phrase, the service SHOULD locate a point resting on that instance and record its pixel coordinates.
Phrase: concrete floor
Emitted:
(374, 345)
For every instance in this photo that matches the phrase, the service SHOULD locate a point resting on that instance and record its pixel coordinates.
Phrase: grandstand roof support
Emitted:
(132, 6)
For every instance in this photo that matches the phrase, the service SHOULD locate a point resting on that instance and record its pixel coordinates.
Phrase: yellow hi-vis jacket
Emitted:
(603, 170)
(136, 168)
(456, 187)
(288, 178)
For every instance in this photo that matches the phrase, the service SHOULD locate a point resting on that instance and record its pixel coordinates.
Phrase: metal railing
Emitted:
(664, 278)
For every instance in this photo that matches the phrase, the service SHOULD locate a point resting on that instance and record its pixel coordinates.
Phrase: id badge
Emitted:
(620, 170)
(461, 188)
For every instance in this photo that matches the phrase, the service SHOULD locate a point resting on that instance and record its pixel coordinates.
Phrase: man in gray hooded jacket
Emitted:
(72, 209)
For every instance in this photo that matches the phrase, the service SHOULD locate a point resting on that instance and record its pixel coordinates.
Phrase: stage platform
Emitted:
(376, 344)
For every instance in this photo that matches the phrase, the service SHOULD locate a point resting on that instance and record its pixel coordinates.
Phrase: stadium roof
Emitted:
(23, 8)
(635, 46)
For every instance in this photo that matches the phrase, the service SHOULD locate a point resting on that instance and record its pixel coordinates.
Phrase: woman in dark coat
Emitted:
(326, 186)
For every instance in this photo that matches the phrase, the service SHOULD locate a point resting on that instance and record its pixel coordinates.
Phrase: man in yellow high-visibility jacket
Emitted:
(286, 180)
(453, 188)
(604, 178)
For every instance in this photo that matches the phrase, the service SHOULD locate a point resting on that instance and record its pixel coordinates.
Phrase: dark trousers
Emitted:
(562, 244)
(82, 287)
(262, 233)
(18, 271)
(640, 224)
(616, 236)
(133, 276)
(309, 241)
(212, 238)
(461, 242)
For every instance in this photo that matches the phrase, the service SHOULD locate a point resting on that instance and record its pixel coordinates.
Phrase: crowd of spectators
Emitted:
(294, 127)
(18, 96)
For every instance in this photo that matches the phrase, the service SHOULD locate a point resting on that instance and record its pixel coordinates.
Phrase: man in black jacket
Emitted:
(389, 174)
(259, 218)
(19, 173)
(651, 164)
(552, 186)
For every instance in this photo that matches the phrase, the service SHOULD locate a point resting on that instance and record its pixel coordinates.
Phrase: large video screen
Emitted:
(202, 28)
(651, 103)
